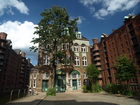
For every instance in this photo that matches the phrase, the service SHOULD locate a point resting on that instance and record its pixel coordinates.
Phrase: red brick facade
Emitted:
(14, 67)
(125, 40)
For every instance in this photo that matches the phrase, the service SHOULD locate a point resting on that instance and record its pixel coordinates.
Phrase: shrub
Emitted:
(51, 92)
(96, 88)
(114, 88)
(84, 89)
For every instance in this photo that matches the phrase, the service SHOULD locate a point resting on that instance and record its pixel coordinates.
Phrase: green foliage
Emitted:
(92, 73)
(96, 88)
(126, 69)
(53, 30)
(51, 92)
(84, 88)
(114, 88)
(118, 89)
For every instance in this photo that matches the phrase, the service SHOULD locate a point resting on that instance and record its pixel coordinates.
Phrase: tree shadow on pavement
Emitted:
(62, 102)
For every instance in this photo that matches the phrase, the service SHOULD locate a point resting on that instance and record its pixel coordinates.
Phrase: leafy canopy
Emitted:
(92, 73)
(54, 28)
(125, 69)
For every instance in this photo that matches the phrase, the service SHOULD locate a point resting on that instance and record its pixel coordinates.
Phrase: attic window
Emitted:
(78, 35)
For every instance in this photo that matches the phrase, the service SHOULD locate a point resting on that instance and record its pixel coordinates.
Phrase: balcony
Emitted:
(22, 72)
(22, 76)
(100, 76)
(98, 64)
(94, 50)
(97, 59)
(96, 54)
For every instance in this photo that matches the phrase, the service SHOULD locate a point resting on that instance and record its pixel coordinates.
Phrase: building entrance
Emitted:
(44, 85)
(74, 84)
(60, 81)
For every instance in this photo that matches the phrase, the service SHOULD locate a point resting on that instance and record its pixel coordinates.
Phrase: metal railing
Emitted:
(9, 95)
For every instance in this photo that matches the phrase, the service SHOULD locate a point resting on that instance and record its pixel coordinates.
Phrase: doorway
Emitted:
(74, 84)
(44, 85)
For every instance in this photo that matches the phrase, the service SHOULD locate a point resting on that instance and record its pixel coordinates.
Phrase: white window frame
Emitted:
(85, 75)
(46, 60)
(84, 61)
(77, 61)
(76, 47)
(79, 82)
(83, 48)
(34, 83)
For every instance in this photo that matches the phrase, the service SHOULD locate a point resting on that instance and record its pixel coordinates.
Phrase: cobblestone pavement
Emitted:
(87, 99)
(76, 98)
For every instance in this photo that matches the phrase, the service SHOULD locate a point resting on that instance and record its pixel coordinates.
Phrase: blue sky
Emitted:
(19, 17)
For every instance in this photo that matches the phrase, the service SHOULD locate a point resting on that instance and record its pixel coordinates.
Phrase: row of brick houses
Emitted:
(124, 40)
(14, 66)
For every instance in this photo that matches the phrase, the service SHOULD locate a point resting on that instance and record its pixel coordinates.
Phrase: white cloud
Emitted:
(109, 7)
(88, 2)
(81, 19)
(21, 35)
(8, 4)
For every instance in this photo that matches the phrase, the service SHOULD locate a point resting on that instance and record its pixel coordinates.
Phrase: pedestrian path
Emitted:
(29, 100)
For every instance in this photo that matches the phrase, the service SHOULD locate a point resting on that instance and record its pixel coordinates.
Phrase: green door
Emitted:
(74, 84)
(60, 83)
(44, 85)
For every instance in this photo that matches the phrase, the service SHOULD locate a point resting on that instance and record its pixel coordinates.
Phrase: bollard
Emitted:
(24, 93)
(18, 93)
(11, 95)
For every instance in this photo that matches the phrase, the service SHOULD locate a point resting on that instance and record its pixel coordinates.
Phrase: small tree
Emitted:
(55, 30)
(125, 69)
(93, 73)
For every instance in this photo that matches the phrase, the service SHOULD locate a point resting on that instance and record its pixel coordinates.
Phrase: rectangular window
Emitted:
(69, 83)
(86, 82)
(34, 83)
(79, 82)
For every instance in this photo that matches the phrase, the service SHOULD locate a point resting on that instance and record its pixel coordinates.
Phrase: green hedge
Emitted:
(51, 92)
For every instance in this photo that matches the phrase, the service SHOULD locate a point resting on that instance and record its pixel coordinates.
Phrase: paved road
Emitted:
(87, 99)
(77, 98)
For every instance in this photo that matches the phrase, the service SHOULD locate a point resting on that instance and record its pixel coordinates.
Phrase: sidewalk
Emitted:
(29, 100)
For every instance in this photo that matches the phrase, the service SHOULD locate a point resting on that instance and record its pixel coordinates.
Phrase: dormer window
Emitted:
(78, 35)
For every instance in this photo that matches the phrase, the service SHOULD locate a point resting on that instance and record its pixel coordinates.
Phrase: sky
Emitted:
(19, 17)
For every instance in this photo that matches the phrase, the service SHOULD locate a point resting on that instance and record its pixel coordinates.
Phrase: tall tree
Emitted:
(93, 73)
(55, 30)
(125, 69)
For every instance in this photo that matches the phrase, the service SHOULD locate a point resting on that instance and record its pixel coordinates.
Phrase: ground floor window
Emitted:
(34, 83)
(86, 82)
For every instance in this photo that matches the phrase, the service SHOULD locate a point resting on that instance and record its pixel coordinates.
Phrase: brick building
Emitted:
(95, 58)
(124, 40)
(14, 67)
(70, 76)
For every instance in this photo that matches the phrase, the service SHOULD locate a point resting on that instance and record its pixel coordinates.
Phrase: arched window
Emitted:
(84, 61)
(77, 61)
(46, 60)
(76, 49)
(83, 48)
